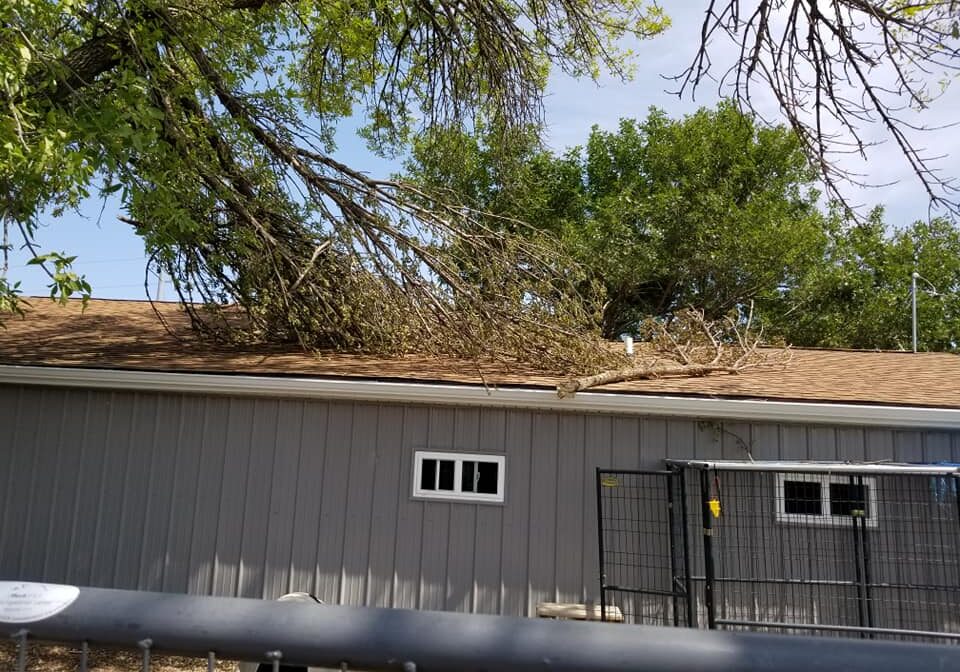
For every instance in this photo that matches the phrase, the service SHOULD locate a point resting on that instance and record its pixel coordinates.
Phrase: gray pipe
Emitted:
(395, 639)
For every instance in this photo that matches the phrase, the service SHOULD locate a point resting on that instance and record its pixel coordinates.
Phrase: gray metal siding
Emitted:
(259, 497)
(516, 537)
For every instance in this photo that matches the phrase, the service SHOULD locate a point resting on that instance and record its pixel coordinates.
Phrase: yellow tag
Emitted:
(609, 482)
(714, 505)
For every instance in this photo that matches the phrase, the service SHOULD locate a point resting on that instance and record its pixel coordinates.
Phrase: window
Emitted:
(461, 476)
(825, 499)
(802, 498)
(847, 499)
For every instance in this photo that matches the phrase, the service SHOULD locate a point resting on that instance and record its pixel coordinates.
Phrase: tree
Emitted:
(212, 121)
(712, 211)
(508, 175)
(859, 296)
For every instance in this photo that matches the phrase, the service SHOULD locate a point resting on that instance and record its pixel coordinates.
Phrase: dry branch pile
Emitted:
(688, 345)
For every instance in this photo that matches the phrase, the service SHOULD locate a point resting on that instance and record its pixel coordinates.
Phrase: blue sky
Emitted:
(113, 261)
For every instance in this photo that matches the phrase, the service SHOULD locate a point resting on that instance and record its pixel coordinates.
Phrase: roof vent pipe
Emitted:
(628, 343)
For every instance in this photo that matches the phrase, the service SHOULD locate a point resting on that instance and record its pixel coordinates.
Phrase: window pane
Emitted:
(802, 497)
(487, 477)
(446, 475)
(845, 498)
(428, 475)
(466, 480)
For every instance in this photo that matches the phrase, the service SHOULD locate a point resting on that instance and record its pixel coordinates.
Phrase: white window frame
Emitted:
(825, 517)
(458, 459)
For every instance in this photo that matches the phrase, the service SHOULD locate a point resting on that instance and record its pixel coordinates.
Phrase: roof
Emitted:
(127, 335)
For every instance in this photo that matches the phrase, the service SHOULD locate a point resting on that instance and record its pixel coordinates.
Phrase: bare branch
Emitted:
(836, 67)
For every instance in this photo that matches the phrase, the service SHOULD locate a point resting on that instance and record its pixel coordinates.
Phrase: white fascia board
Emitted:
(787, 466)
(477, 395)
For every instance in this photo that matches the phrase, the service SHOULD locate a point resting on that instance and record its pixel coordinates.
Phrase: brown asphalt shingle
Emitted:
(128, 335)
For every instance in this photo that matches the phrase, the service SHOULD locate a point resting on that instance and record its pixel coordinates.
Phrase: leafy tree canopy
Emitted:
(859, 296)
(714, 212)
(711, 211)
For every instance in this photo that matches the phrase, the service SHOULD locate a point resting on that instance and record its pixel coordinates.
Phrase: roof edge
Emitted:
(478, 395)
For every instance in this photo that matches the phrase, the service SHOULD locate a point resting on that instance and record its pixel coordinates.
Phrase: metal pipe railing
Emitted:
(395, 639)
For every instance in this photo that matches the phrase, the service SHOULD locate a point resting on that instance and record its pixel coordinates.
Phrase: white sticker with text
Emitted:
(24, 602)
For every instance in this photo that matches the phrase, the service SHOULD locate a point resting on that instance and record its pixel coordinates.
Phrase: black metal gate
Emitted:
(872, 554)
(867, 551)
(643, 544)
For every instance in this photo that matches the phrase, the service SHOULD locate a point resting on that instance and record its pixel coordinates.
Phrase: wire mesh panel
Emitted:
(642, 545)
(864, 554)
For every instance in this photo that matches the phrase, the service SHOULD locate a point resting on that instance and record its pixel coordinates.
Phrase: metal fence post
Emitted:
(21, 637)
(671, 537)
(145, 646)
(685, 526)
(603, 575)
(861, 561)
(865, 545)
(708, 566)
(956, 500)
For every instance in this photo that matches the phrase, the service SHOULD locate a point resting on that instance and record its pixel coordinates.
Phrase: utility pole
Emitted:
(931, 290)
(913, 296)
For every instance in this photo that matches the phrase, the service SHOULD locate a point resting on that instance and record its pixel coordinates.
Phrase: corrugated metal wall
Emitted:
(253, 497)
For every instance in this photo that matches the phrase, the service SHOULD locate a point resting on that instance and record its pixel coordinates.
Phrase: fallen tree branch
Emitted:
(574, 385)
(688, 345)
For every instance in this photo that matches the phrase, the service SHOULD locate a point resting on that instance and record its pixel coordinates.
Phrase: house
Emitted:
(139, 458)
